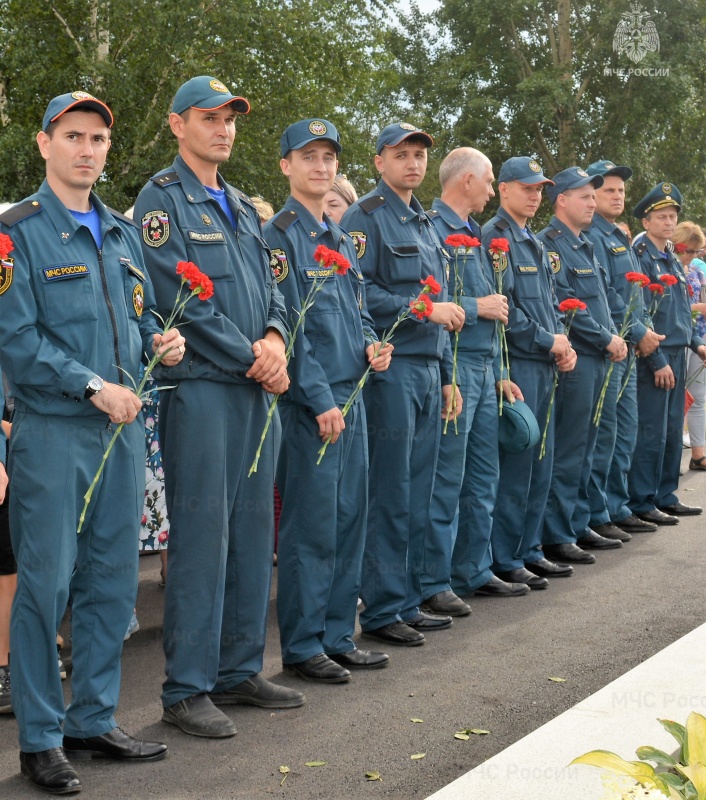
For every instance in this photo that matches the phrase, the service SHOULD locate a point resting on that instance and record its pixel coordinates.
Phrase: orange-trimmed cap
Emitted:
(206, 94)
(72, 102)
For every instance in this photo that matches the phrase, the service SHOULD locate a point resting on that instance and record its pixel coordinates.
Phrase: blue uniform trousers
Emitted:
(321, 533)
(524, 478)
(403, 407)
(654, 475)
(466, 482)
(567, 512)
(604, 450)
(53, 462)
(221, 537)
(617, 493)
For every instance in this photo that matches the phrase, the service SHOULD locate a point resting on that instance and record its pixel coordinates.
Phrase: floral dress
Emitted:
(695, 279)
(154, 531)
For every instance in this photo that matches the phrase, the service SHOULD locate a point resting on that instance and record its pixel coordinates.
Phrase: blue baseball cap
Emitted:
(518, 429)
(396, 133)
(606, 168)
(299, 134)
(74, 101)
(523, 169)
(206, 94)
(663, 195)
(572, 178)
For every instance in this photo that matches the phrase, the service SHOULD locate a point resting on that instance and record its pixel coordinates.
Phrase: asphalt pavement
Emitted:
(490, 671)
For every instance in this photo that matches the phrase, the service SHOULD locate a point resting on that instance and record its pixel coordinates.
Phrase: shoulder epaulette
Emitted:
(640, 247)
(554, 233)
(241, 195)
(122, 217)
(284, 220)
(503, 224)
(166, 179)
(19, 212)
(371, 204)
(432, 213)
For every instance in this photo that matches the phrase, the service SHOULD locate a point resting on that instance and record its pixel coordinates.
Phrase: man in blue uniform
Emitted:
(397, 248)
(594, 337)
(537, 346)
(320, 556)
(222, 523)
(75, 316)
(615, 442)
(457, 554)
(654, 475)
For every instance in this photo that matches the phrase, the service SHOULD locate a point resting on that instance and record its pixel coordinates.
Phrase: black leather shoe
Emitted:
(396, 633)
(51, 771)
(499, 588)
(319, 668)
(360, 659)
(681, 510)
(592, 541)
(633, 524)
(610, 531)
(657, 517)
(548, 569)
(523, 575)
(428, 622)
(258, 691)
(197, 716)
(114, 744)
(568, 551)
(446, 603)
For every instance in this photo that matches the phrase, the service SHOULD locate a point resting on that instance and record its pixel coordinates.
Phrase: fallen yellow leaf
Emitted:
(558, 680)
(314, 763)
(417, 756)
(373, 776)
(414, 719)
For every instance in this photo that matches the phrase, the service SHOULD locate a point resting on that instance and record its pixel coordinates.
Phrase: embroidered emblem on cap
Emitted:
(155, 228)
(534, 166)
(6, 270)
(217, 86)
(609, 165)
(407, 127)
(359, 240)
(317, 127)
(582, 172)
(138, 299)
(279, 265)
(667, 188)
(82, 96)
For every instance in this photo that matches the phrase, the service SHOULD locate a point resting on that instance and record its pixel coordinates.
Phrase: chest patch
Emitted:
(155, 228)
(279, 265)
(359, 240)
(211, 236)
(65, 272)
(527, 269)
(555, 261)
(138, 299)
(6, 269)
(499, 261)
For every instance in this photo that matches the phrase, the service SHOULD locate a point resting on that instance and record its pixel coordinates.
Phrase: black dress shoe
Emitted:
(592, 541)
(396, 633)
(681, 510)
(657, 517)
(428, 622)
(633, 524)
(446, 603)
(258, 691)
(499, 588)
(115, 744)
(51, 771)
(548, 569)
(319, 668)
(197, 716)
(522, 575)
(609, 531)
(568, 551)
(360, 659)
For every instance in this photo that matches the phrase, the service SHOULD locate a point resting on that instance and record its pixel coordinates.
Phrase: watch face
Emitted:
(95, 384)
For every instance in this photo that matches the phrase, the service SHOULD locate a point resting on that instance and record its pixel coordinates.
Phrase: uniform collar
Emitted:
(574, 240)
(452, 219)
(195, 191)
(654, 252)
(517, 231)
(64, 223)
(308, 221)
(402, 211)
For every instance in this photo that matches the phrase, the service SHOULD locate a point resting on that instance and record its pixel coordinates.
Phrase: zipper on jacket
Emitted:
(111, 313)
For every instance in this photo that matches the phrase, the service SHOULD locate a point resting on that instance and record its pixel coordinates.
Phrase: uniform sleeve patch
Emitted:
(65, 272)
(554, 260)
(6, 269)
(499, 261)
(138, 299)
(360, 240)
(279, 265)
(155, 228)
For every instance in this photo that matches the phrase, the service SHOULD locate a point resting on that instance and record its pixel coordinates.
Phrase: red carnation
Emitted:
(6, 245)
(656, 288)
(637, 277)
(460, 240)
(668, 280)
(199, 283)
(572, 304)
(681, 247)
(432, 285)
(498, 246)
(422, 306)
(342, 264)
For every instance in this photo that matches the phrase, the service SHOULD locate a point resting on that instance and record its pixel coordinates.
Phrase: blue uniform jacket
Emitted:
(478, 338)
(613, 252)
(397, 248)
(182, 222)
(578, 274)
(528, 284)
(3, 438)
(72, 311)
(329, 351)
(673, 317)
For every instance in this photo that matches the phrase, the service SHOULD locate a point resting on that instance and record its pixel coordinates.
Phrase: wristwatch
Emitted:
(94, 386)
